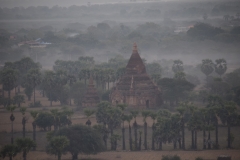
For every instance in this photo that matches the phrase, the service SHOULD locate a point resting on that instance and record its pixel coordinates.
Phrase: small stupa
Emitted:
(91, 98)
(135, 88)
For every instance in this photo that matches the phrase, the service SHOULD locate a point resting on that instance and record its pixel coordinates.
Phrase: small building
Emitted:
(135, 88)
(91, 98)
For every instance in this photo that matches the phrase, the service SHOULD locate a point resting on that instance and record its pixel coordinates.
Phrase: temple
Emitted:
(91, 98)
(135, 88)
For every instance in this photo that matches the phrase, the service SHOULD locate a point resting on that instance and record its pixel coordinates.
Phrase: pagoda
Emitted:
(135, 88)
(91, 98)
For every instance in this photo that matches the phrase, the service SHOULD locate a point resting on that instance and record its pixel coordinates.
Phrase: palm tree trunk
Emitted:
(12, 134)
(10, 157)
(9, 94)
(19, 89)
(209, 139)
(23, 123)
(192, 139)
(195, 140)
(24, 155)
(204, 139)
(34, 96)
(59, 156)
(140, 142)
(130, 137)
(174, 144)
(229, 137)
(123, 139)
(145, 135)
(160, 144)
(135, 134)
(153, 142)
(74, 156)
(216, 132)
(183, 134)
(34, 133)
(179, 143)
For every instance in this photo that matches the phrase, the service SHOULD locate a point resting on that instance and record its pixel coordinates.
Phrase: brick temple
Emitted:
(91, 98)
(135, 88)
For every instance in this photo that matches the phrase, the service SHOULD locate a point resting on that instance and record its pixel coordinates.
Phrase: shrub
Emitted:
(170, 157)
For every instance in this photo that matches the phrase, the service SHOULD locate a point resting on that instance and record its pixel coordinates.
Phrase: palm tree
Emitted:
(34, 79)
(25, 144)
(145, 114)
(124, 118)
(207, 66)
(140, 141)
(228, 115)
(88, 113)
(153, 115)
(177, 66)
(57, 145)
(12, 118)
(220, 66)
(34, 114)
(9, 79)
(24, 119)
(56, 116)
(134, 114)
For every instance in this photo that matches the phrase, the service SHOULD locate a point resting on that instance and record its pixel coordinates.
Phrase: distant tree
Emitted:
(134, 114)
(128, 119)
(238, 15)
(44, 120)
(226, 17)
(205, 16)
(57, 146)
(153, 115)
(25, 144)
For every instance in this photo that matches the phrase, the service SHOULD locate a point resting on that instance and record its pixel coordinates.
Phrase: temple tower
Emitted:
(135, 88)
(91, 98)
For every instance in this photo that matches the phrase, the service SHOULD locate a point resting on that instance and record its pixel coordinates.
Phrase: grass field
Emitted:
(79, 118)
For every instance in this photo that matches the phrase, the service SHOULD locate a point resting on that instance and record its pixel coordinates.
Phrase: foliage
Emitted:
(25, 144)
(207, 66)
(82, 139)
(57, 146)
(9, 150)
(44, 120)
(203, 31)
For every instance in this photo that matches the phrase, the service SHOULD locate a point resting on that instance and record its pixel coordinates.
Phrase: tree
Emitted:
(153, 115)
(34, 115)
(207, 66)
(9, 150)
(109, 115)
(123, 118)
(205, 16)
(24, 119)
(25, 144)
(228, 115)
(88, 113)
(134, 114)
(34, 79)
(12, 118)
(220, 66)
(57, 145)
(18, 99)
(82, 139)
(145, 114)
(44, 120)
(9, 79)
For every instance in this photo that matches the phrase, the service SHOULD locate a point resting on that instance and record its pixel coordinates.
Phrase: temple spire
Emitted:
(135, 50)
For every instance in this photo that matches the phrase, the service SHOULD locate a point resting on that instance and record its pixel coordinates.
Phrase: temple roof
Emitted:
(135, 64)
